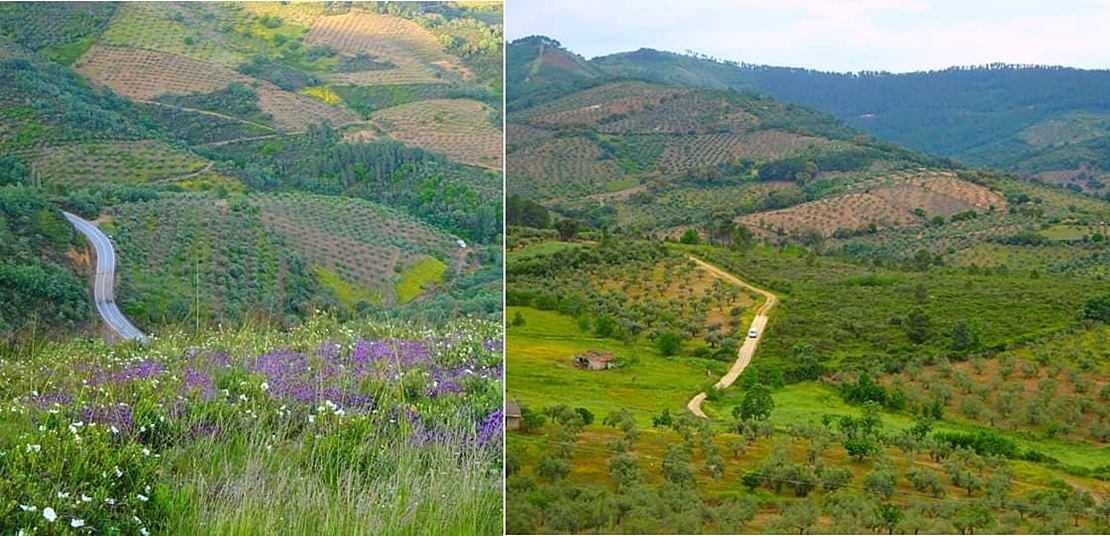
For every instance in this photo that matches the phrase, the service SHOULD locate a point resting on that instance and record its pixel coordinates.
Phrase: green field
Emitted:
(541, 372)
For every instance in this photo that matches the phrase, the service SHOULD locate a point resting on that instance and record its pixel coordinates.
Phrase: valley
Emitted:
(930, 363)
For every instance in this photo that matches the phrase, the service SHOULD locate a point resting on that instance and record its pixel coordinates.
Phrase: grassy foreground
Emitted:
(370, 428)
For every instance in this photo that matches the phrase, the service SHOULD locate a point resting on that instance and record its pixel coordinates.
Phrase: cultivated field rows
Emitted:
(457, 128)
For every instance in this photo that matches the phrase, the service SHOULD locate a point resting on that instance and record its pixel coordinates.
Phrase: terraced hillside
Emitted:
(1044, 122)
(667, 160)
(155, 118)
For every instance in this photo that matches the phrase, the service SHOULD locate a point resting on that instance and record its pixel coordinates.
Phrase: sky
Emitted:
(831, 35)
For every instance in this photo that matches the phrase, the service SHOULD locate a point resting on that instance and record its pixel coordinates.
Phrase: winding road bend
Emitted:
(104, 285)
(744, 355)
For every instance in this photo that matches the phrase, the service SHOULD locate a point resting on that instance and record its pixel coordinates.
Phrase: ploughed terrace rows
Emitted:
(132, 162)
(694, 112)
(591, 106)
(562, 167)
(457, 128)
(366, 244)
(517, 134)
(415, 54)
(689, 152)
(180, 28)
(145, 74)
(888, 202)
(167, 245)
(294, 112)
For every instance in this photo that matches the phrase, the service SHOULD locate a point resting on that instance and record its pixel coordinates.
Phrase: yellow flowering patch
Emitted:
(322, 94)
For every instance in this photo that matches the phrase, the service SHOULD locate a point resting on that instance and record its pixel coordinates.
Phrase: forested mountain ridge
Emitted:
(202, 137)
(1047, 122)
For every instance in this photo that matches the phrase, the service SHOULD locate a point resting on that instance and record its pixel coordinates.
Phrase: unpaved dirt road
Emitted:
(744, 355)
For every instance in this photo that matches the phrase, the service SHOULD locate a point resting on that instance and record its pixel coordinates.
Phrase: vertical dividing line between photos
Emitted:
(504, 267)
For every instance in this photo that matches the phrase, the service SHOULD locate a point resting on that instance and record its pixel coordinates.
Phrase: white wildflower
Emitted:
(265, 386)
(63, 495)
(77, 523)
(49, 514)
(114, 429)
(85, 498)
(142, 497)
(146, 452)
(26, 508)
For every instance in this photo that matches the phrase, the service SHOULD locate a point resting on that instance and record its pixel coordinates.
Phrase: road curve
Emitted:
(104, 285)
(747, 350)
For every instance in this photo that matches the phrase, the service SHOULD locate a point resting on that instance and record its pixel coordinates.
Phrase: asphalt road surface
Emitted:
(104, 285)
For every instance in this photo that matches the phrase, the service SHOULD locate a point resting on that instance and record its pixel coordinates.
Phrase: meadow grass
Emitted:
(543, 248)
(348, 294)
(417, 276)
(364, 428)
(542, 373)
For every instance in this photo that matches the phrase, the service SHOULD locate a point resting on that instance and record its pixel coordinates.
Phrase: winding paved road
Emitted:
(747, 350)
(104, 286)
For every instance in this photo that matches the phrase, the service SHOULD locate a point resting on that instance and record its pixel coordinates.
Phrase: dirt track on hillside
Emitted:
(747, 350)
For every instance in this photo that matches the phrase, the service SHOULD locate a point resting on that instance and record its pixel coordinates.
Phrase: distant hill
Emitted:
(620, 152)
(191, 130)
(1047, 123)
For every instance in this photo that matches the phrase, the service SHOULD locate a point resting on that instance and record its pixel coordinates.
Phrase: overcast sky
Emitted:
(831, 35)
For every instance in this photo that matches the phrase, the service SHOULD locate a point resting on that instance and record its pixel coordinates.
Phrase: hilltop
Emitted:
(205, 137)
(1047, 123)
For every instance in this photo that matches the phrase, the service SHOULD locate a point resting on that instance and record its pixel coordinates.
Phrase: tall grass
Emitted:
(370, 428)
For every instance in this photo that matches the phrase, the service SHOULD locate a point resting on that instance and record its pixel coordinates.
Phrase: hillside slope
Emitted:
(1044, 122)
(669, 160)
(167, 121)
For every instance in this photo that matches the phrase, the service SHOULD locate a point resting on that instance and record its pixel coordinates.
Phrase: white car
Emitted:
(753, 333)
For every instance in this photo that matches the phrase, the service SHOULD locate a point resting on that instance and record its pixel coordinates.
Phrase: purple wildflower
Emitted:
(492, 428)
